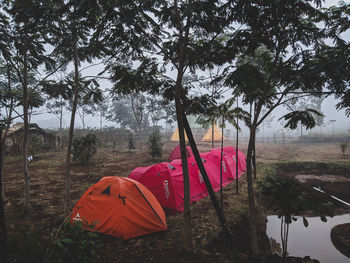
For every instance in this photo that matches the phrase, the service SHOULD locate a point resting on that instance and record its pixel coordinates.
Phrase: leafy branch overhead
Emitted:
(305, 117)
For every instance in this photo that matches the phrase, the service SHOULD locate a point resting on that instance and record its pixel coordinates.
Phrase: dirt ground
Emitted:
(47, 191)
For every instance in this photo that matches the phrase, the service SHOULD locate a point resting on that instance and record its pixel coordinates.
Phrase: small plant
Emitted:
(131, 142)
(72, 243)
(343, 147)
(288, 197)
(84, 148)
(35, 143)
(25, 248)
(155, 145)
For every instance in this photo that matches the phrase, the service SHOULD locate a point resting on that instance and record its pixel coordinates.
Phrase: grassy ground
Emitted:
(47, 189)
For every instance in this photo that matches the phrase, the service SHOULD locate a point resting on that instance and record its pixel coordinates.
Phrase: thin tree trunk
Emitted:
(252, 213)
(254, 159)
(3, 256)
(212, 134)
(254, 143)
(25, 132)
(3, 139)
(186, 179)
(61, 118)
(237, 160)
(183, 40)
(221, 157)
(141, 138)
(68, 180)
(101, 120)
(206, 180)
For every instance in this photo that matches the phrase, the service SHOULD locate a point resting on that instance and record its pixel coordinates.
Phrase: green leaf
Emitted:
(306, 223)
(67, 240)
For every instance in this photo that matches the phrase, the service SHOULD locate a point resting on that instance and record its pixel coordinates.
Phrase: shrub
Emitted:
(287, 197)
(131, 142)
(26, 248)
(35, 143)
(72, 243)
(343, 147)
(155, 145)
(84, 148)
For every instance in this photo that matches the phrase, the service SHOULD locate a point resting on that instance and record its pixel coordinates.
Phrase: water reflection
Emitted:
(314, 240)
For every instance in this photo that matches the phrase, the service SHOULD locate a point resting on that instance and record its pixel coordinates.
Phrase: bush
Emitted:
(131, 142)
(343, 147)
(35, 143)
(84, 148)
(72, 243)
(155, 145)
(26, 248)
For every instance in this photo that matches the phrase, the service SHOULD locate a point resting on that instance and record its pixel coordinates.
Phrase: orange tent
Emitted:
(120, 207)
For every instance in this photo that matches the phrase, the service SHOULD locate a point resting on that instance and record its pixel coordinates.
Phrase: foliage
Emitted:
(131, 142)
(343, 147)
(287, 197)
(73, 243)
(155, 144)
(84, 148)
(35, 143)
(25, 248)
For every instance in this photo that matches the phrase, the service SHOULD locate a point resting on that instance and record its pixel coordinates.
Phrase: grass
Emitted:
(47, 173)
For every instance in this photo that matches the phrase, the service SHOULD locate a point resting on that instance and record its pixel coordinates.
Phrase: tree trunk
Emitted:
(252, 213)
(3, 138)
(68, 180)
(3, 257)
(25, 132)
(212, 134)
(221, 157)
(61, 118)
(101, 116)
(237, 160)
(254, 158)
(186, 178)
(206, 180)
(141, 138)
(254, 142)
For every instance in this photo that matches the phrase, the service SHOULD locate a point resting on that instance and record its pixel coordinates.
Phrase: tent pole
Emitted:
(206, 180)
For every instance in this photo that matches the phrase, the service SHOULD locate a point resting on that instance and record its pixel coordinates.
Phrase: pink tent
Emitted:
(165, 181)
(176, 153)
(213, 170)
(228, 167)
(231, 151)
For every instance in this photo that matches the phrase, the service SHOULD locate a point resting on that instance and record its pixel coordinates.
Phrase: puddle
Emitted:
(314, 240)
(324, 178)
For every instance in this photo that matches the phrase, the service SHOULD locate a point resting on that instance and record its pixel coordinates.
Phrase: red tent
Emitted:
(120, 207)
(165, 181)
(176, 153)
(228, 168)
(231, 151)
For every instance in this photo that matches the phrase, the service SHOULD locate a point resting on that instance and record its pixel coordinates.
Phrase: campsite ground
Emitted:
(47, 189)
